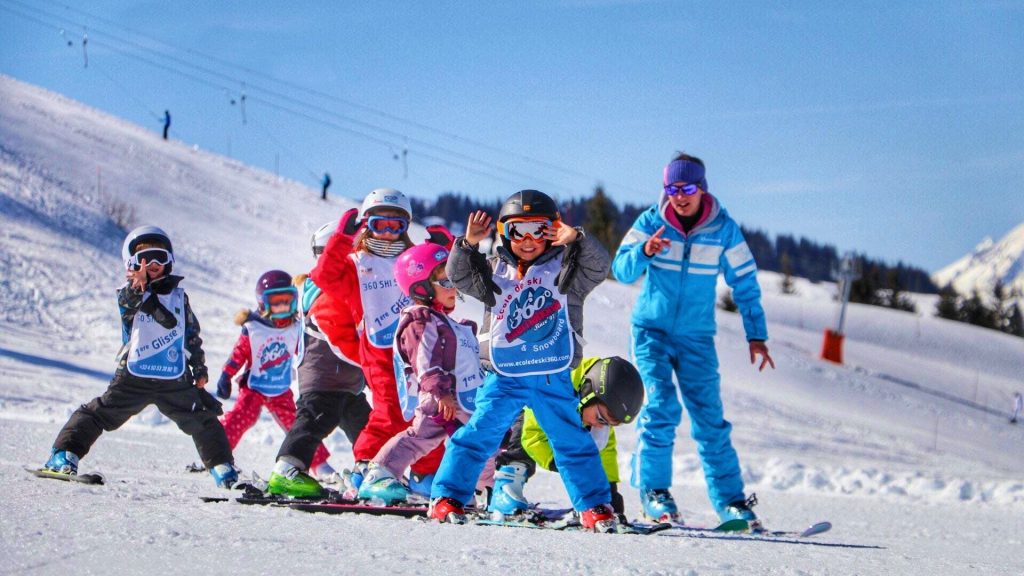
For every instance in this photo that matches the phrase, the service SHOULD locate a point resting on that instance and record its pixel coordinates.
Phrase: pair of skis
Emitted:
(334, 502)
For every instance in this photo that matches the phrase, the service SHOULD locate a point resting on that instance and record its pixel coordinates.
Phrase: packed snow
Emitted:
(906, 448)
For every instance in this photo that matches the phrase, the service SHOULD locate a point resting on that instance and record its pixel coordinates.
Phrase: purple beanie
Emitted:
(685, 171)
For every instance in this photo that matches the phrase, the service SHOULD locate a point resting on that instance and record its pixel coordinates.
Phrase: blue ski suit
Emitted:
(673, 332)
(581, 266)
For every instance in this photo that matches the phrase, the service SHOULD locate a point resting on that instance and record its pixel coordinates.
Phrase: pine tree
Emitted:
(1015, 323)
(787, 274)
(896, 299)
(948, 306)
(601, 217)
(974, 311)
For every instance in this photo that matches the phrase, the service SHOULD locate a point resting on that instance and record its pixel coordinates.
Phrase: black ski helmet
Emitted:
(526, 203)
(615, 382)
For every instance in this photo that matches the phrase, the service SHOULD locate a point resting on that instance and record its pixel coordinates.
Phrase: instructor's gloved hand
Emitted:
(224, 386)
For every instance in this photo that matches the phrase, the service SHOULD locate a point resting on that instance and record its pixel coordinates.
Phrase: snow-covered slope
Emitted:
(906, 448)
(990, 262)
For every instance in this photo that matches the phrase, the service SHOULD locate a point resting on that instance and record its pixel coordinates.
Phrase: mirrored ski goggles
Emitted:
(278, 296)
(387, 224)
(445, 283)
(685, 189)
(151, 256)
(519, 230)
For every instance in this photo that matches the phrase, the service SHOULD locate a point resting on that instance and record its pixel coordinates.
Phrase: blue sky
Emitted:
(890, 128)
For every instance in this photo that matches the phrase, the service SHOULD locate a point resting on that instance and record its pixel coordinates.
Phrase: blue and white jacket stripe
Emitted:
(678, 296)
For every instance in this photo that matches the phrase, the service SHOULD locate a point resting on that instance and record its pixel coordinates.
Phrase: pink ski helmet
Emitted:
(414, 266)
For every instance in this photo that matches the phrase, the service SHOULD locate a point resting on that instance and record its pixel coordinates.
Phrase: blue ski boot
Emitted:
(740, 510)
(507, 496)
(358, 473)
(659, 505)
(62, 462)
(225, 475)
(420, 485)
(380, 484)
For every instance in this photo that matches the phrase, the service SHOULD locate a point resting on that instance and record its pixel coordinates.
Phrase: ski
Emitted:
(93, 478)
(252, 494)
(569, 524)
(359, 508)
(742, 527)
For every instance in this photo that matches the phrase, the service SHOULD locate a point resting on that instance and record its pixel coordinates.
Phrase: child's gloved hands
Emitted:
(224, 386)
(349, 224)
(447, 407)
(439, 234)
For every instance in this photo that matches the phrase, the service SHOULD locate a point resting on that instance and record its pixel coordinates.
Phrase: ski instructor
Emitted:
(683, 243)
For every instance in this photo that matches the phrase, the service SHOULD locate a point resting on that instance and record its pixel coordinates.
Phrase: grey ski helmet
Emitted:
(321, 236)
(616, 383)
(147, 235)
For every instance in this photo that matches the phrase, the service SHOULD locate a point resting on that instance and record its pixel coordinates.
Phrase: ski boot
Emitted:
(358, 473)
(420, 484)
(380, 484)
(225, 475)
(288, 480)
(600, 518)
(507, 496)
(659, 505)
(741, 510)
(326, 474)
(62, 462)
(445, 509)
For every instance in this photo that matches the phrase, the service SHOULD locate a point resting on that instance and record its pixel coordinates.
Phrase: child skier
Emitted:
(683, 243)
(270, 345)
(161, 362)
(330, 386)
(440, 359)
(357, 268)
(610, 393)
(543, 271)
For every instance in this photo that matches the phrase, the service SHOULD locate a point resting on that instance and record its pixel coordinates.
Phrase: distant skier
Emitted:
(1018, 405)
(683, 243)
(167, 122)
(325, 183)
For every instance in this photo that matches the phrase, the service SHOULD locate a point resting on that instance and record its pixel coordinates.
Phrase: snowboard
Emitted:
(93, 478)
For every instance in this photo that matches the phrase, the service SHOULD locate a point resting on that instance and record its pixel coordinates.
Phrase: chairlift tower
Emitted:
(832, 348)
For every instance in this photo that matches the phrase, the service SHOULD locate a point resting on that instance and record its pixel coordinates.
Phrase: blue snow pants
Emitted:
(499, 401)
(695, 363)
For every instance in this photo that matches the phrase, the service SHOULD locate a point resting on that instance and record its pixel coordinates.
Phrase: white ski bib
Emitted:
(382, 299)
(273, 352)
(155, 351)
(467, 373)
(530, 333)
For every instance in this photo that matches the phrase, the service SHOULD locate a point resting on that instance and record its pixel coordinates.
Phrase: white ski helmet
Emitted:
(321, 236)
(148, 234)
(385, 197)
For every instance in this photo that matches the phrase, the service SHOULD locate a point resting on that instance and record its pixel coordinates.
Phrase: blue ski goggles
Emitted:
(387, 224)
(685, 189)
(276, 296)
